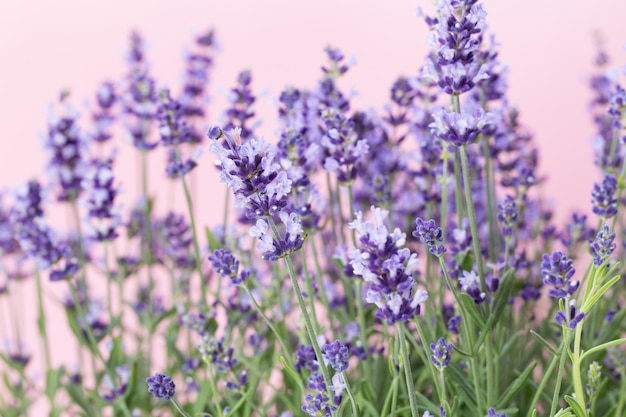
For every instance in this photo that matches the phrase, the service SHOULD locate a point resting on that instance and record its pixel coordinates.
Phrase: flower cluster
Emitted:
(456, 37)
(227, 266)
(387, 267)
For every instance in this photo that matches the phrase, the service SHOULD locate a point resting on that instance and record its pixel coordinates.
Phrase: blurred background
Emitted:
(47, 46)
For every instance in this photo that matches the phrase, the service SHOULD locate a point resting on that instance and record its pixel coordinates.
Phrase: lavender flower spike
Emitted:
(336, 354)
(603, 197)
(602, 246)
(441, 353)
(429, 233)
(460, 128)
(161, 386)
(387, 267)
(228, 266)
(557, 269)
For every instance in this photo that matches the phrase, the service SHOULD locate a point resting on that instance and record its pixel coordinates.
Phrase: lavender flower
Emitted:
(428, 232)
(227, 266)
(557, 269)
(174, 132)
(387, 267)
(337, 355)
(492, 413)
(35, 238)
(100, 198)
(456, 36)
(114, 390)
(276, 248)
(572, 319)
(241, 100)
(103, 117)
(470, 283)
(603, 197)
(460, 128)
(507, 215)
(251, 171)
(161, 386)
(66, 148)
(441, 353)
(139, 98)
(602, 246)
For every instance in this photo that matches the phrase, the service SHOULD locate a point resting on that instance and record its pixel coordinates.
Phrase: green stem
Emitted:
(472, 216)
(406, 364)
(179, 408)
(490, 191)
(196, 247)
(427, 362)
(259, 310)
(42, 322)
(355, 409)
(331, 203)
(559, 377)
(542, 384)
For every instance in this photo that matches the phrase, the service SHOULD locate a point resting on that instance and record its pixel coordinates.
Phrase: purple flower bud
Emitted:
(603, 197)
(161, 386)
(428, 232)
(602, 246)
(336, 354)
(441, 353)
(557, 269)
(507, 215)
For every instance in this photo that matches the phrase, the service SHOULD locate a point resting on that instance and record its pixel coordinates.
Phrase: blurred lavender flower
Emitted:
(174, 132)
(603, 197)
(507, 215)
(103, 118)
(35, 238)
(227, 266)
(139, 97)
(602, 246)
(66, 148)
(241, 100)
(99, 200)
(114, 390)
(161, 386)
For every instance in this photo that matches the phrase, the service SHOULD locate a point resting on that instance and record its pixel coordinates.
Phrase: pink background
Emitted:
(49, 45)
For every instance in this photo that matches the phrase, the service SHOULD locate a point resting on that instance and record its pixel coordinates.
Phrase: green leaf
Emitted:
(470, 307)
(117, 357)
(460, 379)
(214, 243)
(53, 380)
(599, 293)
(203, 398)
(516, 385)
(544, 342)
(76, 394)
(576, 408)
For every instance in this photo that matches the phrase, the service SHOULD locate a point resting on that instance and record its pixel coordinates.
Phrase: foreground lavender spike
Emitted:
(602, 246)
(161, 386)
(557, 269)
(337, 355)
(429, 233)
(603, 197)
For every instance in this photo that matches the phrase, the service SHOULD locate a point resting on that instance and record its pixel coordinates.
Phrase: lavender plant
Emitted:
(393, 263)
